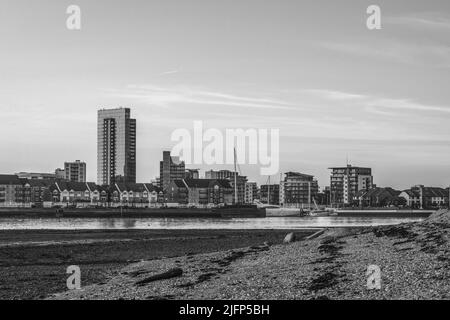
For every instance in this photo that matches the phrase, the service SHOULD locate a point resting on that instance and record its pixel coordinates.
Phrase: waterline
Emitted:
(196, 223)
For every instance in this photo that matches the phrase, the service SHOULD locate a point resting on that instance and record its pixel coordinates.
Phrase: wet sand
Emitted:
(33, 263)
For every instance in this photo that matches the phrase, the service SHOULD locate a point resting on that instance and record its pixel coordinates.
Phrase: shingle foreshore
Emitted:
(414, 260)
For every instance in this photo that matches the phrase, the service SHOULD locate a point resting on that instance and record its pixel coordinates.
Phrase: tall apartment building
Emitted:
(346, 182)
(75, 171)
(251, 192)
(170, 169)
(116, 147)
(229, 175)
(298, 189)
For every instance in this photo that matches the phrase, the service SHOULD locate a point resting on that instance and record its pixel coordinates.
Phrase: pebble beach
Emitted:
(414, 259)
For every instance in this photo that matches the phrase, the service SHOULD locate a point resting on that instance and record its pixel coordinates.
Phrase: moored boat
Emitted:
(240, 211)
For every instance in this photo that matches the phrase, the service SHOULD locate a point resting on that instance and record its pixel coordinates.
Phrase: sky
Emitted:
(334, 88)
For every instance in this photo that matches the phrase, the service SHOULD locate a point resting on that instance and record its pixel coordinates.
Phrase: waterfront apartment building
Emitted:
(116, 146)
(200, 192)
(21, 192)
(37, 191)
(229, 175)
(270, 194)
(298, 189)
(421, 197)
(75, 171)
(10, 190)
(251, 192)
(60, 174)
(346, 182)
(170, 169)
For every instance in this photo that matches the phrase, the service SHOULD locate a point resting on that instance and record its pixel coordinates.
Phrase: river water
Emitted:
(195, 223)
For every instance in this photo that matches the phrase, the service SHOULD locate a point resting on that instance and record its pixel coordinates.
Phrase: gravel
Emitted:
(414, 260)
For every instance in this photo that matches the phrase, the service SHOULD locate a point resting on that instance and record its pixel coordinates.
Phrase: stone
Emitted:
(290, 237)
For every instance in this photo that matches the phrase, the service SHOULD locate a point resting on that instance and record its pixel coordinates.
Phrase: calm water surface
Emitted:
(196, 223)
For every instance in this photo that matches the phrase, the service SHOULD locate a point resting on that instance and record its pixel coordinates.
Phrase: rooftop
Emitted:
(350, 167)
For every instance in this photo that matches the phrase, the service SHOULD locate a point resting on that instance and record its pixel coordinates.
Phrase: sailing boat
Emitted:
(321, 213)
(239, 210)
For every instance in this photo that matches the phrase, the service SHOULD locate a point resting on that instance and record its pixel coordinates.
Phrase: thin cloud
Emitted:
(165, 73)
(367, 50)
(406, 104)
(434, 55)
(374, 104)
(166, 96)
(433, 21)
(335, 95)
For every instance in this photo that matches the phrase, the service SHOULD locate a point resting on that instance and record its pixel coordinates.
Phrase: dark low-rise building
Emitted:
(200, 192)
(323, 197)
(377, 197)
(270, 194)
(231, 176)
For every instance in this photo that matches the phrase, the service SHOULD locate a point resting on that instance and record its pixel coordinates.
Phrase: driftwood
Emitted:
(135, 274)
(172, 273)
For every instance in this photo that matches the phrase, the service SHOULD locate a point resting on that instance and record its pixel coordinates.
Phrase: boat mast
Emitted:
(280, 191)
(309, 195)
(235, 179)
